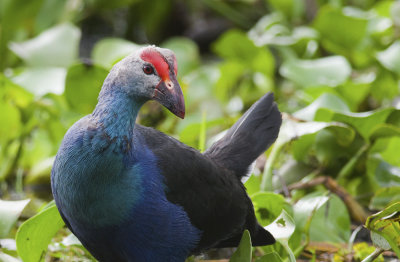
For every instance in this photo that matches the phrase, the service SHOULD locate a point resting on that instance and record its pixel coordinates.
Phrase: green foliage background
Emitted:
(334, 66)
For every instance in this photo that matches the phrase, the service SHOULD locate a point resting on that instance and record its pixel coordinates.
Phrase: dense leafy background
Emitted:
(334, 66)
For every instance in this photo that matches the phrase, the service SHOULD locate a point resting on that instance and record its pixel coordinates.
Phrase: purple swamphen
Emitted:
(132, 193)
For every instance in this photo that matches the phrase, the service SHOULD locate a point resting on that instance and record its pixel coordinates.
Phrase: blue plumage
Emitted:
(131, 193)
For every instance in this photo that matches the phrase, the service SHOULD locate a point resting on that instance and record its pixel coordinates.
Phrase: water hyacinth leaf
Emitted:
(390, 58)
(235, 45)
(326, 100)
(42, 80)
(9, 213)
(340, 30)
(55, 47)
(270, 257)
(385, 223)
(331, 222)
(7, 258)
(243, 252)
(385, 175)
(384, 130)
(363, 122)
(108, 51)
(35, 234)
(10, 122)
(82, 86)
(306, 207)
(268, 206)
(186, 51)
(282, 229)
(384, 197)
(40, 171)
(328, 71)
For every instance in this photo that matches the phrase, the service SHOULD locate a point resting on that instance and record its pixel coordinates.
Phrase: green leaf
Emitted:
(82, 86)
(386, 175)
(108, 51)
(9, 213)
(341, 30)
(282, 229)
(390, 58)
(186, 51)
(35, 234)
(235, 45)
(364, 122)
(384, 197)
(57, 46)
(10, 123)
(42, 80)
(268, 206)
(327, 100)
(328, 71)
(7, 258)
(385, 224)
(326, 218)
(243, 252)
(270, 257)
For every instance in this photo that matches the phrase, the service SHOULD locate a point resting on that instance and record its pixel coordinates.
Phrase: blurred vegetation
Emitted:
(334, 66)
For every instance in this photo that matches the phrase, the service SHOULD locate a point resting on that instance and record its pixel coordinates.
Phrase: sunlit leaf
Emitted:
(82, 86)
(390, 58)
(386, 225)
(270, 257)
(35, 234)
(327, 71)
(186, 51)
(109, 50)
(243, 253)
(9, 213)
(55, 47)
(268, 206)
(384, 197)
(42, 80)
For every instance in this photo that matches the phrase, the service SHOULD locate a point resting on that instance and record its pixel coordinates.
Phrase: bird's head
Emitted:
(150, 74)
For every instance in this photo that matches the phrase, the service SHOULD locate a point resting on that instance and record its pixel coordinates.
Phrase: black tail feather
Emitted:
(250, 136)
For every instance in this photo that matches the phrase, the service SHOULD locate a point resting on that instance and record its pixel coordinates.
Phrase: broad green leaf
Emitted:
(9, 213)
(108, 51)
(252, 184)
(385, 174)
(326, 218)
(55, 47)
(186, 51)
(364, 122)
(243, 252)
(305, 208)
(10, 123)
(340, 29)
(390, 58)
(270, 257)
(291, 8)
(7, 258)
(389, 151)
(268, 206)
(235, 45)
(35, 234)
(384, 197)
(282, 229)
(42, 80)
(386, 225)
(328, 71)
(327, 100)
(40, 171)
(82, 86)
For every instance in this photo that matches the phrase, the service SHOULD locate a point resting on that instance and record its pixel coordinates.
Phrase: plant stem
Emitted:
(373, 255)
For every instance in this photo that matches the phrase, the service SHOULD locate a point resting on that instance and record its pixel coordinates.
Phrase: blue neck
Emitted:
(116, 112)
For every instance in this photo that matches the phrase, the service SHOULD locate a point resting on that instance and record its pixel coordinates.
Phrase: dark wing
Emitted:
(214, 198)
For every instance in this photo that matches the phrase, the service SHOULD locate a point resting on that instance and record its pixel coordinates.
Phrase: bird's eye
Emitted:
(148, 70)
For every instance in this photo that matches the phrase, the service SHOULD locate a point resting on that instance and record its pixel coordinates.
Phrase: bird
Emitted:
(132, 193)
